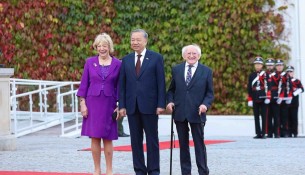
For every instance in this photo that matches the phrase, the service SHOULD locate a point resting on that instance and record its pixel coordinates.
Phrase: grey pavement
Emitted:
(46, 151)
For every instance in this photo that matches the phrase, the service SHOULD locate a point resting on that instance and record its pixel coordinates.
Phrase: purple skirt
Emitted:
(99, 123)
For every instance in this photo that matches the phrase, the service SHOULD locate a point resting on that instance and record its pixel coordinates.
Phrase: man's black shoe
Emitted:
(270, 136)
(263, 137)
(276, 136)
(123, 135)
(257, 137)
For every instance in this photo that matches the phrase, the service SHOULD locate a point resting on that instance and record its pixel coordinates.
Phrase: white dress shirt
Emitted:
(142, 57)
(193, 69)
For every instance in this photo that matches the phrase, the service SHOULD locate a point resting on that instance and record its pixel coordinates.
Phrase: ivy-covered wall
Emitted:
(46, 39)
(50, 39)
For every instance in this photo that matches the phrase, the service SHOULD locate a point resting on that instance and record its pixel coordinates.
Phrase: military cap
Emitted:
(279, 62)
(258, 60)
(290, 68)
(270, 62)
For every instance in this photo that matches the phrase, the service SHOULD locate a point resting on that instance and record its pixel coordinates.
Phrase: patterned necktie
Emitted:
(188, 75)
(138, 65)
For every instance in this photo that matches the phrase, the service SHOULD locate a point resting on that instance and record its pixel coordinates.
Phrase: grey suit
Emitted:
(187, 100)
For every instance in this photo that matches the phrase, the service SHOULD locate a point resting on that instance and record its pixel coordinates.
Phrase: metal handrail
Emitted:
(77, 124)
(42, 91)
(38, 81)
(37, 91)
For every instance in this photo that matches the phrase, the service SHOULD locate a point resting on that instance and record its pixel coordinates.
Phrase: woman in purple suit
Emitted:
(98, 94)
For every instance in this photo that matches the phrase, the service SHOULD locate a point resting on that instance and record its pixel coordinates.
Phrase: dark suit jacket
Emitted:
(147, 89)
(187, 99)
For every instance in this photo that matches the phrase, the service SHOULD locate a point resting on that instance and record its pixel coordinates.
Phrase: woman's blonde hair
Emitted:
(103, 38)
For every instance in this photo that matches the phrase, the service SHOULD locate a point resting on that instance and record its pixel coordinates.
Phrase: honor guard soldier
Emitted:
(269, 114)
(280, 96)
(276, 86)
(256, 90)
(297, 88)
(286, 98)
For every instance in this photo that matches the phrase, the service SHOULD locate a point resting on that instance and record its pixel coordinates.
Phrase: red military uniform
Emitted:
(286, 94)
(280, 96)
(274, 106)
(297, 88)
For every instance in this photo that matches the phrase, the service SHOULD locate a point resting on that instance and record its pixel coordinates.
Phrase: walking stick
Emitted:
(171, 145)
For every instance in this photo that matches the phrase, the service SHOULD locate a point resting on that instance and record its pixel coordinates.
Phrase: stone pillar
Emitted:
(7, 140)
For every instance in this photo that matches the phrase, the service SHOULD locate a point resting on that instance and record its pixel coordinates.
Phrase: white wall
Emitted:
(295, 30)
(300, 54)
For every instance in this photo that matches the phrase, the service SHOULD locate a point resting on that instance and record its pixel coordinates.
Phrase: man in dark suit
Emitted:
(142, 98)
(191, 93)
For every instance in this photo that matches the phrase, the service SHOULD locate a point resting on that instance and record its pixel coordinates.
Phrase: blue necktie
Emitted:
(189, 75)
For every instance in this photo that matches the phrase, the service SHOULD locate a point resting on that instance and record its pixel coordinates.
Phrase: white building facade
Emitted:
(295, 30)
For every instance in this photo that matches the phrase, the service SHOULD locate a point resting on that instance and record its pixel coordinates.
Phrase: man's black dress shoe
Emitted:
(257, 137)
(270, 136)
(123, 135)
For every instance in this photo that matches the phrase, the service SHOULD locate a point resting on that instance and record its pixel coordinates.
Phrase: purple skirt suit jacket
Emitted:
(101, 94)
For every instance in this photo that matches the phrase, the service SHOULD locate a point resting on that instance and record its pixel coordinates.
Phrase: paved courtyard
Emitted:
(47, 152)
